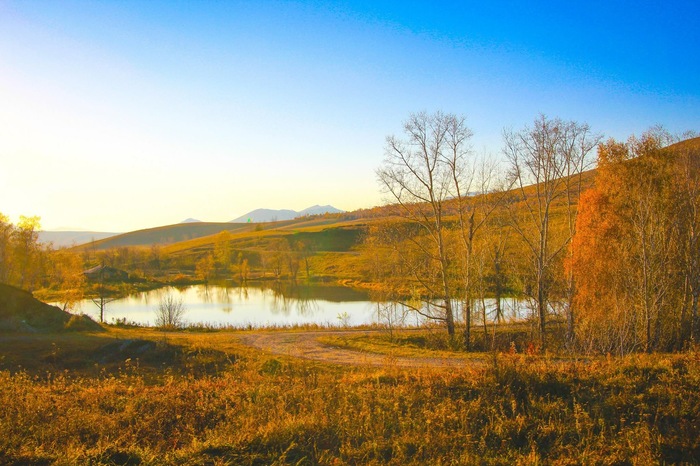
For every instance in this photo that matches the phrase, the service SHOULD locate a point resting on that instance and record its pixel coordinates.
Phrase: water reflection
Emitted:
(284, 304)
(288, 298)
(262, 304)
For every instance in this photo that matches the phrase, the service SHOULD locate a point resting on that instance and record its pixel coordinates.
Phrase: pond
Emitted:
(263, 305)
(276, 305)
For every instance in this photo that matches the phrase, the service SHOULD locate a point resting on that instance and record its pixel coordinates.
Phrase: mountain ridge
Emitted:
(278, 215)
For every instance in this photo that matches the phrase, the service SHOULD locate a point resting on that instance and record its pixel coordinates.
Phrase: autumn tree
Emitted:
(222, 251)
(156, 256)
(27, 252)
(547, 162)
(635, 253)
(279, 255)
(420, 172)
(68, 277)
(687, 181)
(243, 268)
(204, 267)
(306, 252)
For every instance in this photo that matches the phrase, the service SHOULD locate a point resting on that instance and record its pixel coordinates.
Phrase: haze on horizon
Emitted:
(124, 115)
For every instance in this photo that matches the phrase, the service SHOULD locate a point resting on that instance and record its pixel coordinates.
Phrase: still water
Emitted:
(275, 305)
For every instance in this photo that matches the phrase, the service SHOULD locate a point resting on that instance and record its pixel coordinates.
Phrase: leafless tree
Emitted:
(170, 312)
(547, 162)
(421, 173)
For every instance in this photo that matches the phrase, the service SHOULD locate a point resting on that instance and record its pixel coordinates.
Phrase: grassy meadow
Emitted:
(141, 396)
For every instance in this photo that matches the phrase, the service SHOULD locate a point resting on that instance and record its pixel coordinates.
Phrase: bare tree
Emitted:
(546, 166)
(103, 295)
(473, 186)
(170, 312)
(420, 172)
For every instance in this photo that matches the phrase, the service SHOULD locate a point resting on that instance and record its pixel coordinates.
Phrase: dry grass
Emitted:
(205, 399)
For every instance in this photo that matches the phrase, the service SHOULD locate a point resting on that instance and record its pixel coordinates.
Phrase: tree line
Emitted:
(612, 257)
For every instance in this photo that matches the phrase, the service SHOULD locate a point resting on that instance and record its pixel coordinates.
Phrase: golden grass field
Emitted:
(143, 396)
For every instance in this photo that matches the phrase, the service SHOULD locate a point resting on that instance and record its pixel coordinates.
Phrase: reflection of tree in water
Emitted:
(204, 292)
(223, 295)
(243, 294)
(288, 297)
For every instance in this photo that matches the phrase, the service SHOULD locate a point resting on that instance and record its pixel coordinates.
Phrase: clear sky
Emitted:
(123, 115)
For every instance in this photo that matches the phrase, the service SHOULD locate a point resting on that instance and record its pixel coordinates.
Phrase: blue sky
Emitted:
(124, 115)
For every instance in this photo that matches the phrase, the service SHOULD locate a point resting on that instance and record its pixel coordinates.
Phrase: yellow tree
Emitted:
(204, 268)
(68, 277)
(27, 253)
(222, 251)
(687, 183)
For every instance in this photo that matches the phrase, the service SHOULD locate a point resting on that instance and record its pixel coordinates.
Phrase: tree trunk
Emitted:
(467, 324)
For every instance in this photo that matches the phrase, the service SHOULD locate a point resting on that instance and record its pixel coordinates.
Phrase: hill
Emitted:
(21, 312)
(165, 235)
(61, 239)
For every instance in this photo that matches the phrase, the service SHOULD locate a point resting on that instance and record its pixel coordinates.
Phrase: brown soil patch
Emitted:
(305, 345)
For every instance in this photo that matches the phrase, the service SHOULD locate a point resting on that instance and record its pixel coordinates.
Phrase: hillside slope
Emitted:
(72, 238)
(21, 312)
(168, 234)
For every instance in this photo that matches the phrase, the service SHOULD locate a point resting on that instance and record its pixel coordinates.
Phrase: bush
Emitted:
(170, 313)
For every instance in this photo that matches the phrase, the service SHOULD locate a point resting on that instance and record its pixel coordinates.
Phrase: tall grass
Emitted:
(254, 409)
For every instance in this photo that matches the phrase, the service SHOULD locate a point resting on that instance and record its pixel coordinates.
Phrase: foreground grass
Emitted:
(204, 399)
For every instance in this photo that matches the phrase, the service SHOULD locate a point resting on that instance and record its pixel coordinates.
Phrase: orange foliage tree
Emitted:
(634, 252)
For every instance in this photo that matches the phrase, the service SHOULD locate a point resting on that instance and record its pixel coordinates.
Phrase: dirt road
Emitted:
(305, 344)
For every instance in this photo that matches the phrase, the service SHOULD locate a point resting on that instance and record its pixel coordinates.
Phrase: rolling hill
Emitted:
(164, 235)
(61, 239)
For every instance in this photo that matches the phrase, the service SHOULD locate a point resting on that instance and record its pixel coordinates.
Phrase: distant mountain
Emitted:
(266, 215)
(191, 220)
(61, 239)
(272, 215)
(319, 210)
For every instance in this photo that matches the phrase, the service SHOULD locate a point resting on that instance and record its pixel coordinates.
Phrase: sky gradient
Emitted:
(122, 115)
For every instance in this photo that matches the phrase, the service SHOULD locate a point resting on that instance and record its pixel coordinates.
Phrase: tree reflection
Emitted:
(288, 297)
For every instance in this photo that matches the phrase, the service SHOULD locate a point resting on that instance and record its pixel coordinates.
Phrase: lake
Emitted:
(276, 305)
(270, 305)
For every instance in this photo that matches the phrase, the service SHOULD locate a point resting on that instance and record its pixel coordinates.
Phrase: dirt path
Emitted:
(305, 345)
